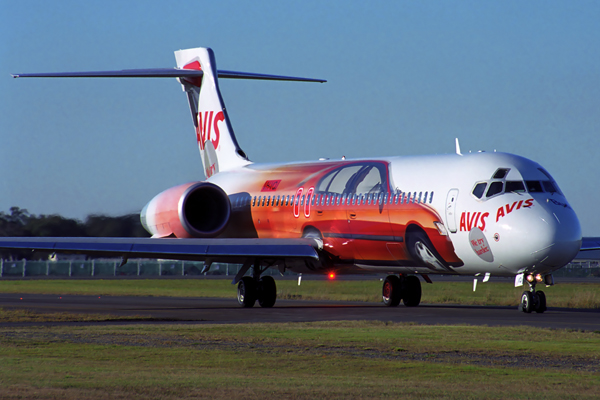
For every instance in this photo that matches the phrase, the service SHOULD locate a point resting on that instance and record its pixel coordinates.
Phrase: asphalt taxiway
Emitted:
(213, 310)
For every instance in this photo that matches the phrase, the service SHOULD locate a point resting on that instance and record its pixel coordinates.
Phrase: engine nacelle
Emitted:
(197, 209)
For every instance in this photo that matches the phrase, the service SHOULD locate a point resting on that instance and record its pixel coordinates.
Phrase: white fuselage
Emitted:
(504, 214)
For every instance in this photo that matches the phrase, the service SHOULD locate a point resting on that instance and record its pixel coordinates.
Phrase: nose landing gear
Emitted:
(532, 300)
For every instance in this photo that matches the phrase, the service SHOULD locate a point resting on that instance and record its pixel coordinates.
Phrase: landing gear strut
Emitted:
(532, 300)
(258, 288)
(405, 288)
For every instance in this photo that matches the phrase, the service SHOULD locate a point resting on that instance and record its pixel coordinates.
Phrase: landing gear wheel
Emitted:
(267, 292)
(527, 302)
(412, 291)
(391, 291)
(422, 251)
(541, 303)
(247, 292)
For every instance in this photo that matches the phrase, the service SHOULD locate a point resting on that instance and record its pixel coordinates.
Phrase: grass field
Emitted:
(579, 295)
(323, 360)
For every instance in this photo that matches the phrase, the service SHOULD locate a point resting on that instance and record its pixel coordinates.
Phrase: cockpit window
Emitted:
(495, 188)
(500, 173)
(515, 186)
(549, 187)
(479, 189)
(534, 186)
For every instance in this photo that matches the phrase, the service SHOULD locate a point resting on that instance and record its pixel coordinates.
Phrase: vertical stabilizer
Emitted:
(218, 146)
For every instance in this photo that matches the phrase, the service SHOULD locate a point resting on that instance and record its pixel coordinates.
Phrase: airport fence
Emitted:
(104, 268)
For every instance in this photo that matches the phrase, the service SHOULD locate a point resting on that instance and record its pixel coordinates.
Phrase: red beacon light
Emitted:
(331, 275)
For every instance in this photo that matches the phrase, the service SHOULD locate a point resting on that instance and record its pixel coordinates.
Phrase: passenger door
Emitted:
(451, 210)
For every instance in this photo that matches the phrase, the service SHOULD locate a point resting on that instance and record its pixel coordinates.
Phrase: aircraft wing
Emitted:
(590, 243)
(215, 250)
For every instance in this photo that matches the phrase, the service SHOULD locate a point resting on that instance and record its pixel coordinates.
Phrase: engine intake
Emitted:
(204, 210)
(197, 209)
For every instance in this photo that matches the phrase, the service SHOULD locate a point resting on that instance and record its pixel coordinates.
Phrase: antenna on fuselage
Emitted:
(457, 147)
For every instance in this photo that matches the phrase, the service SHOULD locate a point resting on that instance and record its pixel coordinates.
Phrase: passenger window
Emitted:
(495, 188)
(515, 186)
(479, 190)
(425, 197)
(431, 198)
(414, 198)
(344, 198)
(419, 199)
(534, 186)
(254, 202)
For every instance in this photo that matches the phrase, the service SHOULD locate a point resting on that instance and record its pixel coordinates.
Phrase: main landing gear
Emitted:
(252, 288)
(405, 288)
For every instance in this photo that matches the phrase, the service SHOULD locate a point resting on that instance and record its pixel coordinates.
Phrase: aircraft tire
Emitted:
(247, 292)
(267, 292)
(527, 302)
(391, 291)
(541, 303)
(412, 291)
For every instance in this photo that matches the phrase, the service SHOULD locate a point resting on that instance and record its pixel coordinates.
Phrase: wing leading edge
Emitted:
(217, 250)
(590, 243)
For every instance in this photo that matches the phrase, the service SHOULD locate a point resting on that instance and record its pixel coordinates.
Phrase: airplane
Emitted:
(477, 214)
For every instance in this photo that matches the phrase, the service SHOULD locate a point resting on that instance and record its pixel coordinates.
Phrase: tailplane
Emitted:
(197, 72)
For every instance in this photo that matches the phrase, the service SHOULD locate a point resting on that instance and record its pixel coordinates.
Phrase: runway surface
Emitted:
(211, 310)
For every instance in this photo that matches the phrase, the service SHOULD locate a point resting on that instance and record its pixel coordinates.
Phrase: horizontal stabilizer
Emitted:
(163, 73)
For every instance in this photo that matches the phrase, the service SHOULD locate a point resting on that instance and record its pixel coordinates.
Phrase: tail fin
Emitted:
(218, 146)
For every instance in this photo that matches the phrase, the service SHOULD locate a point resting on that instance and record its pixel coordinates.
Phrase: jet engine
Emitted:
(191, 210)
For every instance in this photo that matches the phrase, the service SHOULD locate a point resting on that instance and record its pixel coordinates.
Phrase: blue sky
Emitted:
(404, 77)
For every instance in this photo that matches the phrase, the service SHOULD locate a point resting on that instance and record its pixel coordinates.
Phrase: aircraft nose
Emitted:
(557, 235)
